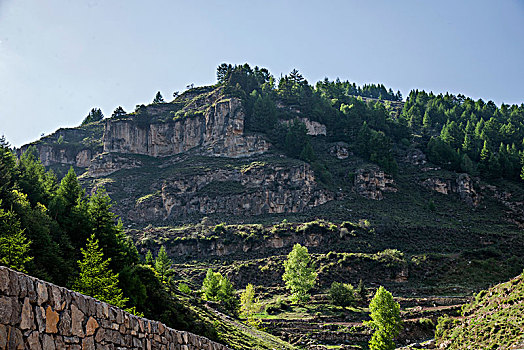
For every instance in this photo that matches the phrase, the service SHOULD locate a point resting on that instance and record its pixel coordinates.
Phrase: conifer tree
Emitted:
(119, 111)
(158, 98)
(163, 264)
(14, 246)
(149, 258)
(211, 284)
(96, 279)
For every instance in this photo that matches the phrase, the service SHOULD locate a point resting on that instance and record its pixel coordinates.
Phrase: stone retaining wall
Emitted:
(39, 315)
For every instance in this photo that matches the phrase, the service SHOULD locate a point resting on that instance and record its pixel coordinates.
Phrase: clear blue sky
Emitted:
(60, 58)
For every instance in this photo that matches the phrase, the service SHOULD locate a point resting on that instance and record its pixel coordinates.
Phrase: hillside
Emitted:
(492, 320)
(423, 196)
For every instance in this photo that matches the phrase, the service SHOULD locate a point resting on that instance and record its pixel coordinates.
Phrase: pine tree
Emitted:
(163, 264)
(113, 241)
(226, 296)
(158, 98)
(211, 285)
(14, 246)
(149, 258)
(484, 153)
(385, 320)
(96, 279)
(94, 115)
(361, 290)
(119, 111)
(299, 275)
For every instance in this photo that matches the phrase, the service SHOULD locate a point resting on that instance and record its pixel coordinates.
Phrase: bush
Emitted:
(341, 294)
(184, 288)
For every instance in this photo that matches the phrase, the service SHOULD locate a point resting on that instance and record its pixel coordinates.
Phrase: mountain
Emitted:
(423, 196)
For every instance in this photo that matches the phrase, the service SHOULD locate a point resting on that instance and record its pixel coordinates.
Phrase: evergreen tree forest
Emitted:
(455, 132)
(55, 231)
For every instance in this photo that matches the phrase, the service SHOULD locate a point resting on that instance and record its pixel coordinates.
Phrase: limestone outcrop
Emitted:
(372, 183)
(258, 189)
(219, 132)
(340, 150)
(71, 146)
(38, 315)
(463, 185)
(313, 128)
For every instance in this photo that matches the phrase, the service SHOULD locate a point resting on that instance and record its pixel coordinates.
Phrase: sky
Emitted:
(60, 58)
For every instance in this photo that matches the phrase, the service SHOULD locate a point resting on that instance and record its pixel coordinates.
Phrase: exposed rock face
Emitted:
(72, 146)
(107, 163)
(223, 247)
(220, 132)
(257, 190)
(313, 128)
(463, 185)
(416, 157)
(76, 321)
(340, 150)
(372, 183)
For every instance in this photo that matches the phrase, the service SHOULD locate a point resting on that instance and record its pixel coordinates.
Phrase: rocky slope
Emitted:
(492, 320)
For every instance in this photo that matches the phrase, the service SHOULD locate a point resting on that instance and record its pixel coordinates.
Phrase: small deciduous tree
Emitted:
(248, 303)
(385, 320)
(96, 278)
(299, 274)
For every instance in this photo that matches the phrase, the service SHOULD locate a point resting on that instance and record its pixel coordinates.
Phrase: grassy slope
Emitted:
(493, 320)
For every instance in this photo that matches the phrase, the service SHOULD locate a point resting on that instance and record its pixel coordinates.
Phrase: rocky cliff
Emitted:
(373, 182)
(202, 119)
(254, 189)
(219, 131)
(69, 146)
(463, 185)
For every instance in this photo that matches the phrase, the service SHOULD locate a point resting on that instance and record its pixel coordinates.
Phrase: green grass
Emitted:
(493, 320)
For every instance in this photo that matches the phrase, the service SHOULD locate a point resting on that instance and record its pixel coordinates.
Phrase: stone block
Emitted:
(48, 342)
(88, 343)
(15, 339)
(51, 320)
(13, 288)
(55, 297)
(3, 335)
(100, 335)
(59, 342)
(27, 316)
(41, 291)
(64, 326)
(79, 301)
(77, 320)
(22, 286)
(40, 318)
(10, 310)
(72, 340)
(33, 341)
(4, 279)
(91, 326)
(31, 291)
